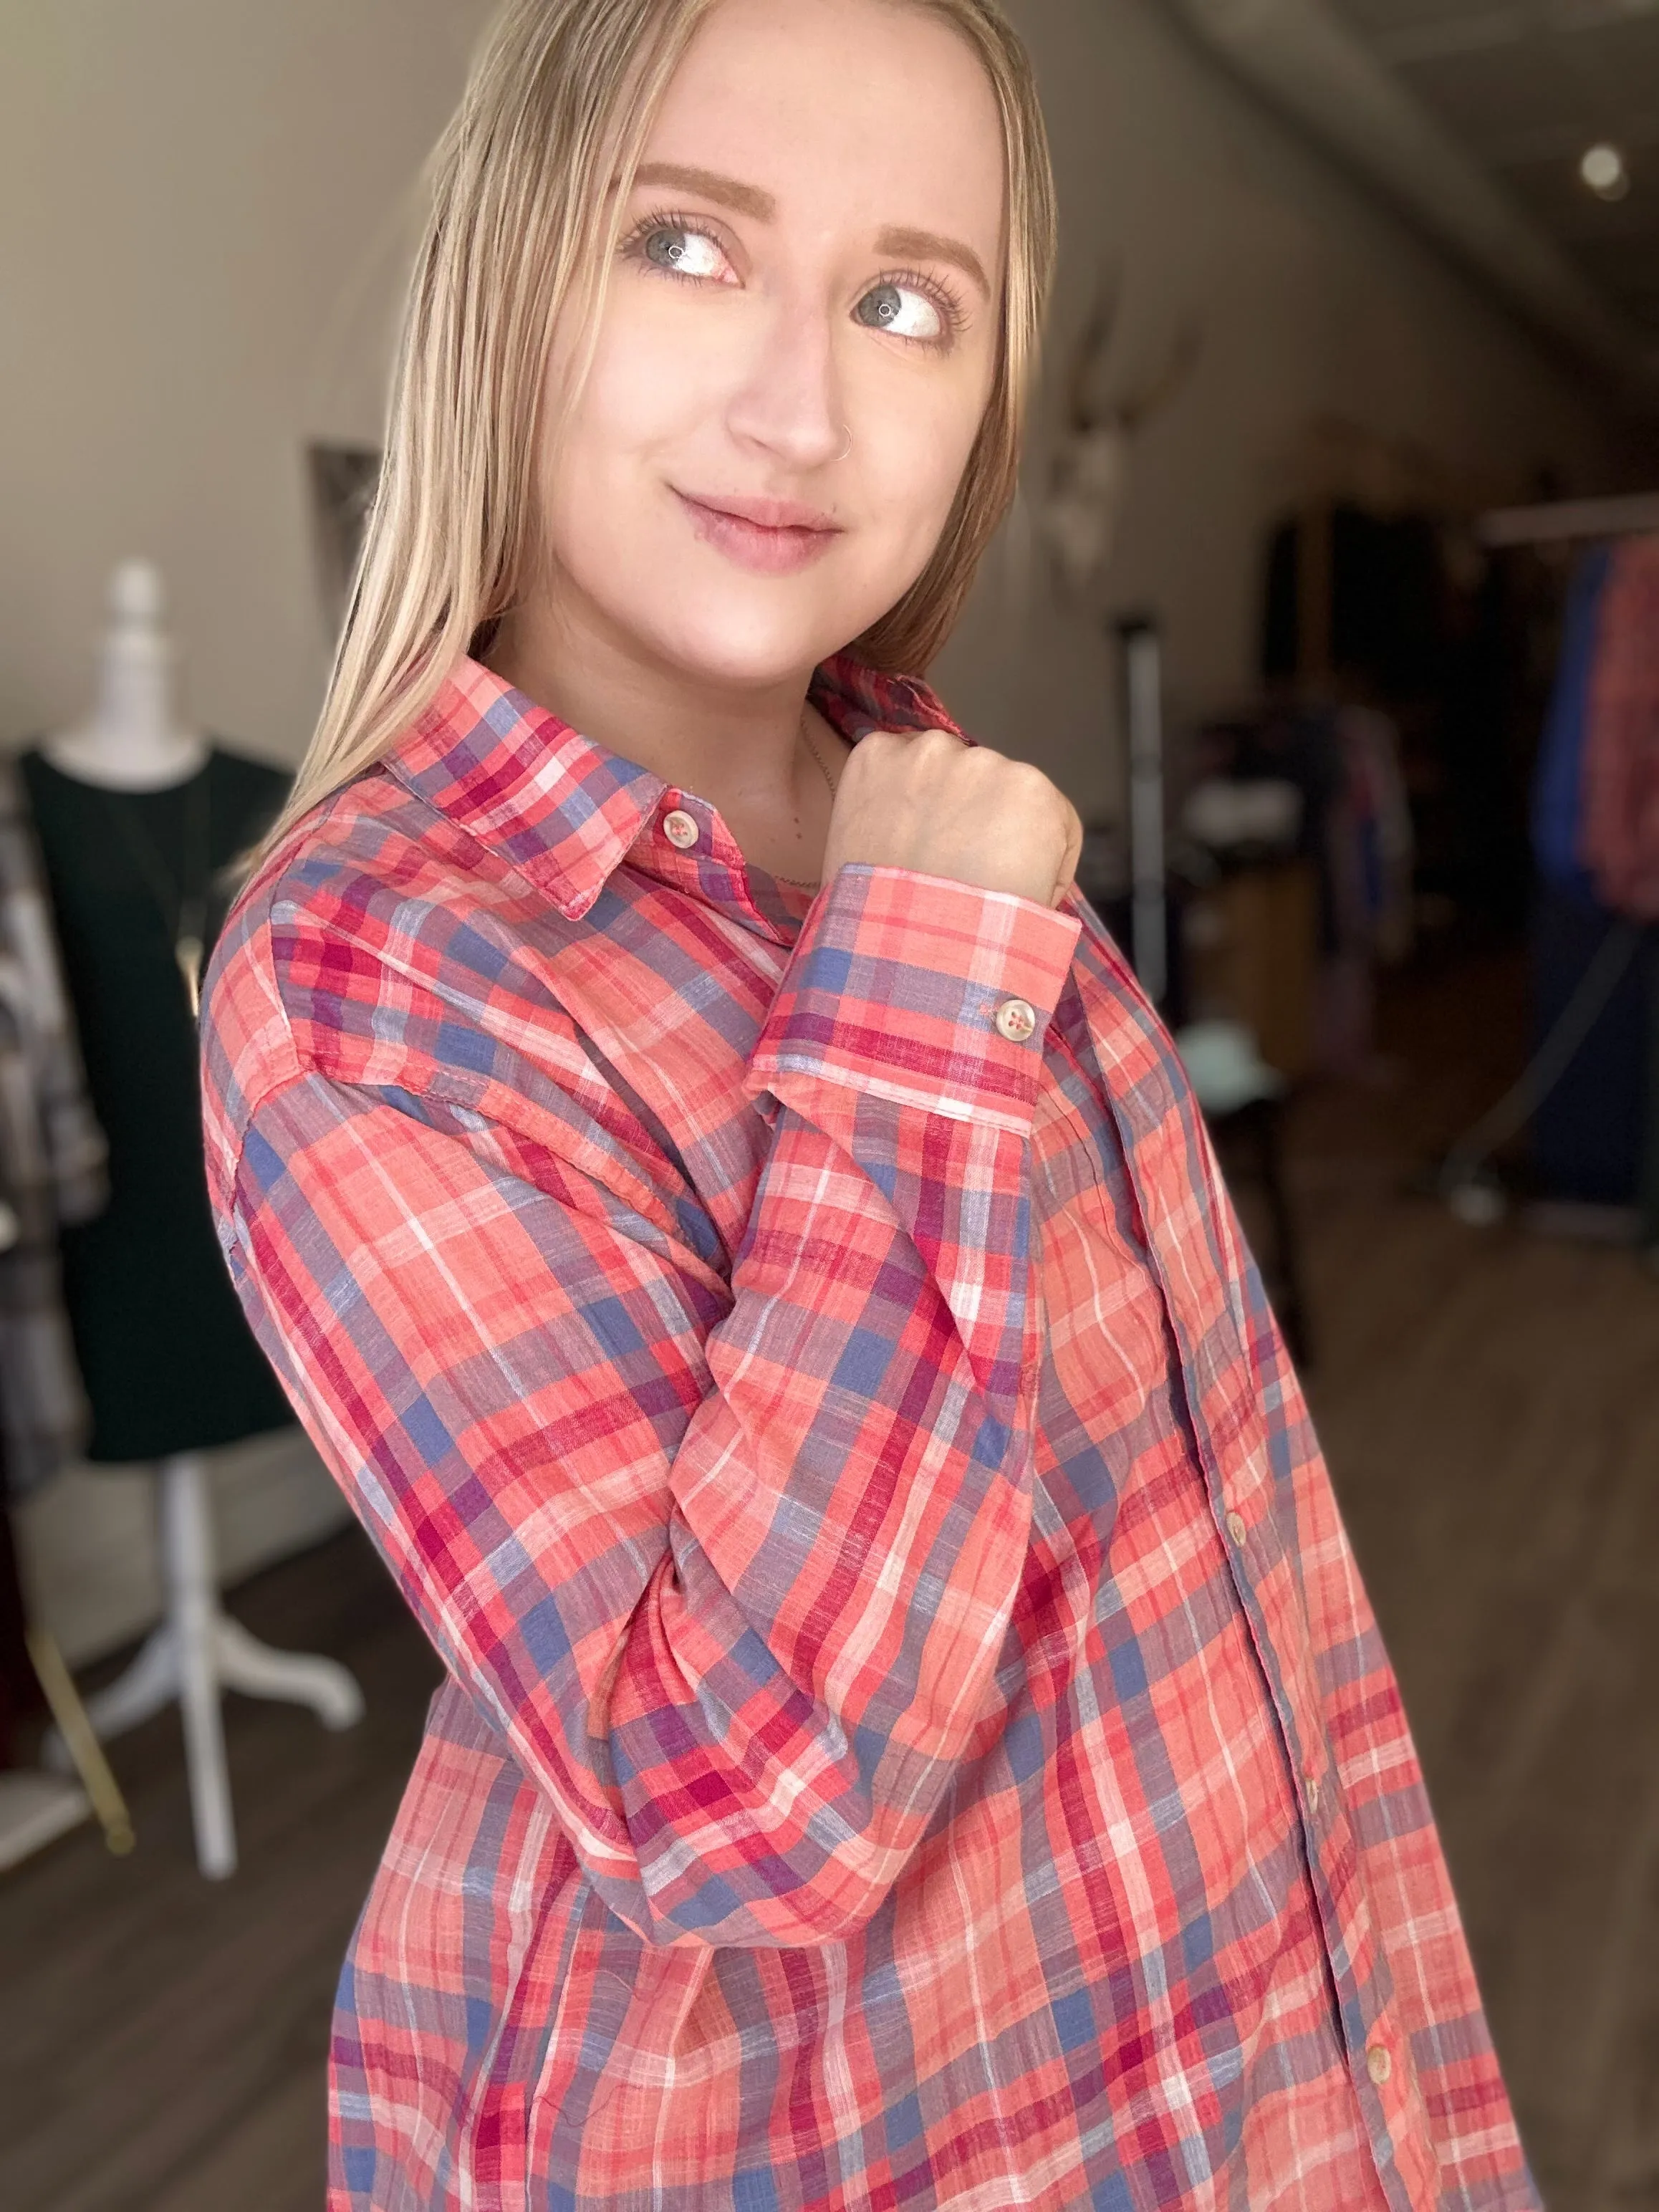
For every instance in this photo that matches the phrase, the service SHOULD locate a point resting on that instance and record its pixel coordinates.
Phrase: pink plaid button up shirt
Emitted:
(914, 1734)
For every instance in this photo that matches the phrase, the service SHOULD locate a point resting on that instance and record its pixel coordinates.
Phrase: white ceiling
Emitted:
(1524, 86)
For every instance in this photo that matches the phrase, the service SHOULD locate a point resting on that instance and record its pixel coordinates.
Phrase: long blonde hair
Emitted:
(523, 227)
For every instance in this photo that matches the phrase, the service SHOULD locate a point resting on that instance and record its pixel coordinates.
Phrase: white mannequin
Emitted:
(134, 740)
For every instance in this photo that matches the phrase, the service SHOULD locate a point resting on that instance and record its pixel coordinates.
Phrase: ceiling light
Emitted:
(1603, 168)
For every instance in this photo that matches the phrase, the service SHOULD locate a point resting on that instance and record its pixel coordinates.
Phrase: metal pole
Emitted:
(1143, 685)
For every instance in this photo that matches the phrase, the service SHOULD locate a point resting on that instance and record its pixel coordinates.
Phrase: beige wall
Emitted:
(1310, 300)
(204, 209)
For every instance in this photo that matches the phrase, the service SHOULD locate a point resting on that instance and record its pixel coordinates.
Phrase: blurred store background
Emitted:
(1331, 597)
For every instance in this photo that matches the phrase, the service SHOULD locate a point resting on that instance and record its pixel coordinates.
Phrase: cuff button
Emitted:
(1016, 1020)
(680, 828)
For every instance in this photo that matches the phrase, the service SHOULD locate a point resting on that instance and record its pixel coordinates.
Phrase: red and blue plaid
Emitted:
(914, 1734)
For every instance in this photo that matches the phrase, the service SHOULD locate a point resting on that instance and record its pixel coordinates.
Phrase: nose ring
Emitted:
(848, 447)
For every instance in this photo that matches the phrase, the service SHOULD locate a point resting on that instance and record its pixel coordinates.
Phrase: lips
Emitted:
(771, 537)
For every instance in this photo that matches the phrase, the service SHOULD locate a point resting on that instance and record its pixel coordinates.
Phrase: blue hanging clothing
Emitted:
(1558, 782)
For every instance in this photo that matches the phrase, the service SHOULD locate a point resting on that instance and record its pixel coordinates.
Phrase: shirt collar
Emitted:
(562, 809)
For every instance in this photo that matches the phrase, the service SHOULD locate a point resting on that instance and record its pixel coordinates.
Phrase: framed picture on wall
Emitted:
(342, 480)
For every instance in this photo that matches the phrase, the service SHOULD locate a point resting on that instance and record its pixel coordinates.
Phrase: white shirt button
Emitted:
(680, 828)
(1311, 1782)
(1379, 2063)
(1236, 1528)
(1017, 1019)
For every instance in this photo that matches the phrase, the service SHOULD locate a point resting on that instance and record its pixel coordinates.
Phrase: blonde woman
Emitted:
(914, 1734)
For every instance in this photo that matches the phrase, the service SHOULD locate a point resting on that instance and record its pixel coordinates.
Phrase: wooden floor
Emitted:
(1490, 1403)
(162, 2039)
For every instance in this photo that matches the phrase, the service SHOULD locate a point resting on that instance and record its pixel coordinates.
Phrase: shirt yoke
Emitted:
(388, 949)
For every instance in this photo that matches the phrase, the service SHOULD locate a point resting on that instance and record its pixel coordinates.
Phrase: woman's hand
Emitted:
(934, 804)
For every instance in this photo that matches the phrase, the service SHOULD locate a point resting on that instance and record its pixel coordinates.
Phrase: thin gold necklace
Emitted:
(806, 734)
(184, 900)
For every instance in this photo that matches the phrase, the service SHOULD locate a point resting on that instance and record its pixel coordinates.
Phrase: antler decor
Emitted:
(1079, 513)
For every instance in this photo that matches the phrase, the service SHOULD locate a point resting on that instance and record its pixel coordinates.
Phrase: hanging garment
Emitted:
(1355, 829)
(20, 1693)
(1297, 745)
(1385, 607)
(914, 1731)
(1619, 841)
(167, 1360)
(1558, 793)
(1366, 836)
(1589, 1126)
(1589, 1129)
(1371, 823)
(52, 1159)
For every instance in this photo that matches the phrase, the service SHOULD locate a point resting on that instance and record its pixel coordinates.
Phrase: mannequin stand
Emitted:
(199, 1651)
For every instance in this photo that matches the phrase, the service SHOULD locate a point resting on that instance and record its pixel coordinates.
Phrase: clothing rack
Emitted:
(1558, 522)
(1463, 1180)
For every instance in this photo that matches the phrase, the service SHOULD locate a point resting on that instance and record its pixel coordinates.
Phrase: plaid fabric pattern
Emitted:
(53, 1168)
(914, 1734)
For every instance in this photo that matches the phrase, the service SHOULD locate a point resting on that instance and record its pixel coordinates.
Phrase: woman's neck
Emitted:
(745, 751)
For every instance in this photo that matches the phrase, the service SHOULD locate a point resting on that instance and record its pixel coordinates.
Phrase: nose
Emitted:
(788, 400)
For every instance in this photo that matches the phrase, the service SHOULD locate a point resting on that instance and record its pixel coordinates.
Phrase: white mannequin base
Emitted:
(198, 1652)
(35, 1809)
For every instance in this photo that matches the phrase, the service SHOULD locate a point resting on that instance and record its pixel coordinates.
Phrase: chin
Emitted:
(742, 640)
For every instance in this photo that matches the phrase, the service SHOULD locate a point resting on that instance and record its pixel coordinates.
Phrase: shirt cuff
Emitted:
(917, 988)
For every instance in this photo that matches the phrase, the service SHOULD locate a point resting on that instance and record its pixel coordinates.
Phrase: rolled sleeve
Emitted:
(895, 989)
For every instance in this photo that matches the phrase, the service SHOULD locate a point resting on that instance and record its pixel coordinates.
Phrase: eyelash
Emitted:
(667, 219)
(941, 296)
(948, 304)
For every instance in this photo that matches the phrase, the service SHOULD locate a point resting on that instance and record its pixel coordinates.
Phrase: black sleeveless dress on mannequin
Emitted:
(168, 1362)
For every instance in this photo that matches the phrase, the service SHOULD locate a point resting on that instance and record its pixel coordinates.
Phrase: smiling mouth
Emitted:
(772, 536)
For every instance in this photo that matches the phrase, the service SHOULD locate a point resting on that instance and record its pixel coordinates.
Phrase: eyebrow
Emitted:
(746, 199)
(928, 245)
(761, 207)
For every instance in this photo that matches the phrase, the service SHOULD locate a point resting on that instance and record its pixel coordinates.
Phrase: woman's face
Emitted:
(797, 346)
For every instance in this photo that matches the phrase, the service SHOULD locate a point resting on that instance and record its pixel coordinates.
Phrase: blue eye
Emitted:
(904, 309)
(682, 251)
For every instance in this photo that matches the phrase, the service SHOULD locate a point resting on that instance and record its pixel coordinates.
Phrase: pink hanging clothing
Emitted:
(1619, 839)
